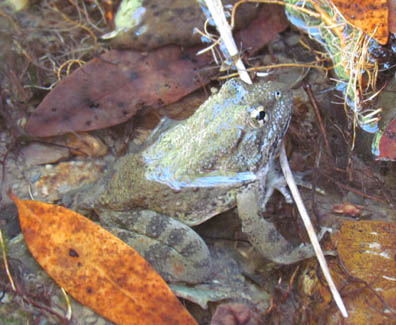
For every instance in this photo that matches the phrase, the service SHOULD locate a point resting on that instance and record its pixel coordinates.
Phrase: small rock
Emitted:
(66, 176)
(293, 40)
(234, 314)
(39, 154)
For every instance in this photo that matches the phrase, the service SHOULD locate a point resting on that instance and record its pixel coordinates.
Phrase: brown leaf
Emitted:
(371, 16)
(392, 16)
(110, 89)
(270, 21)
(368, 248)
(40, 154)
(387, 142)
(97, 268)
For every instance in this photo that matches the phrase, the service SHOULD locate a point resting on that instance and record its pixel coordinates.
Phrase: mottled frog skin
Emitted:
(191, 173)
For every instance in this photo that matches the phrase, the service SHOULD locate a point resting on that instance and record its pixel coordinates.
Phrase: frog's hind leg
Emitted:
(263, 234)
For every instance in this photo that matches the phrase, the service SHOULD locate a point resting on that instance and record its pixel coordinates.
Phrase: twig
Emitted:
(356, 191)
(216, 10)
(69, 64)
(6, 262)
(311, 232)
(278, 66)
(308, 90)
(69, 307)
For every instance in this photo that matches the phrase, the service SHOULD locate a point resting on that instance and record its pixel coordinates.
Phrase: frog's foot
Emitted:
(175, 251)
(272, 179)
(263, 235)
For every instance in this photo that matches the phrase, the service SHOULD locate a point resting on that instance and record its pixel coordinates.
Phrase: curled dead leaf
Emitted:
(348, 209)
(97, 268)
(85, 144)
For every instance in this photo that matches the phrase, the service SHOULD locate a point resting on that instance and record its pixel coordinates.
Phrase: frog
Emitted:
(218, 159)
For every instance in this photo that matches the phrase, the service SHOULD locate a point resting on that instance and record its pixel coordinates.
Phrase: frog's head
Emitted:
(229, 138)
(266, 118)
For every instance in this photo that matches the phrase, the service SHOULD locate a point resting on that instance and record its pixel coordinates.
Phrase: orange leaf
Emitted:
(97, 268)
(371, 16)
(367, 250)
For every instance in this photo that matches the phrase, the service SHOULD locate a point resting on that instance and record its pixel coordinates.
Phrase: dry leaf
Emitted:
(371, 16)
(386, 142)
(85, 144)
(365, 274)
(348, 209)
(367, 250)
(110, 89)
(363, 306)
(97, 268)
(392, 16)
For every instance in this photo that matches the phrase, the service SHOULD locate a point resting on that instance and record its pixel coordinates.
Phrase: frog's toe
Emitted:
(275, 181)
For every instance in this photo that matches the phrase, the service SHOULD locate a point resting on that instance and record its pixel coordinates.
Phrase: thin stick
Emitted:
(216, 10)
(6, 262)
(277, 66)
(308, 90)
(311, 232)
(69, 307)
(356, 191)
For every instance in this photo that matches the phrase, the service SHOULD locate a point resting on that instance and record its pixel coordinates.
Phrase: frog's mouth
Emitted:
(274, 149)
(214, 179)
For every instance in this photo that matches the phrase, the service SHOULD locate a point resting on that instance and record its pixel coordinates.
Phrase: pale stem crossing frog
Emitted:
(194, 171)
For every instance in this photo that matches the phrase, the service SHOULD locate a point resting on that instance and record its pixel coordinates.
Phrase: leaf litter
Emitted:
(354, 179)
(112, 88)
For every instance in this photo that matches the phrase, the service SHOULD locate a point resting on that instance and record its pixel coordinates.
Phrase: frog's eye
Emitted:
(277, 94)
(258, 117)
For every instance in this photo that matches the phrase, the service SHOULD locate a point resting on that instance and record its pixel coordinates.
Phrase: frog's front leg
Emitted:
(175, 251)
(270, 179)
(263, 235)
